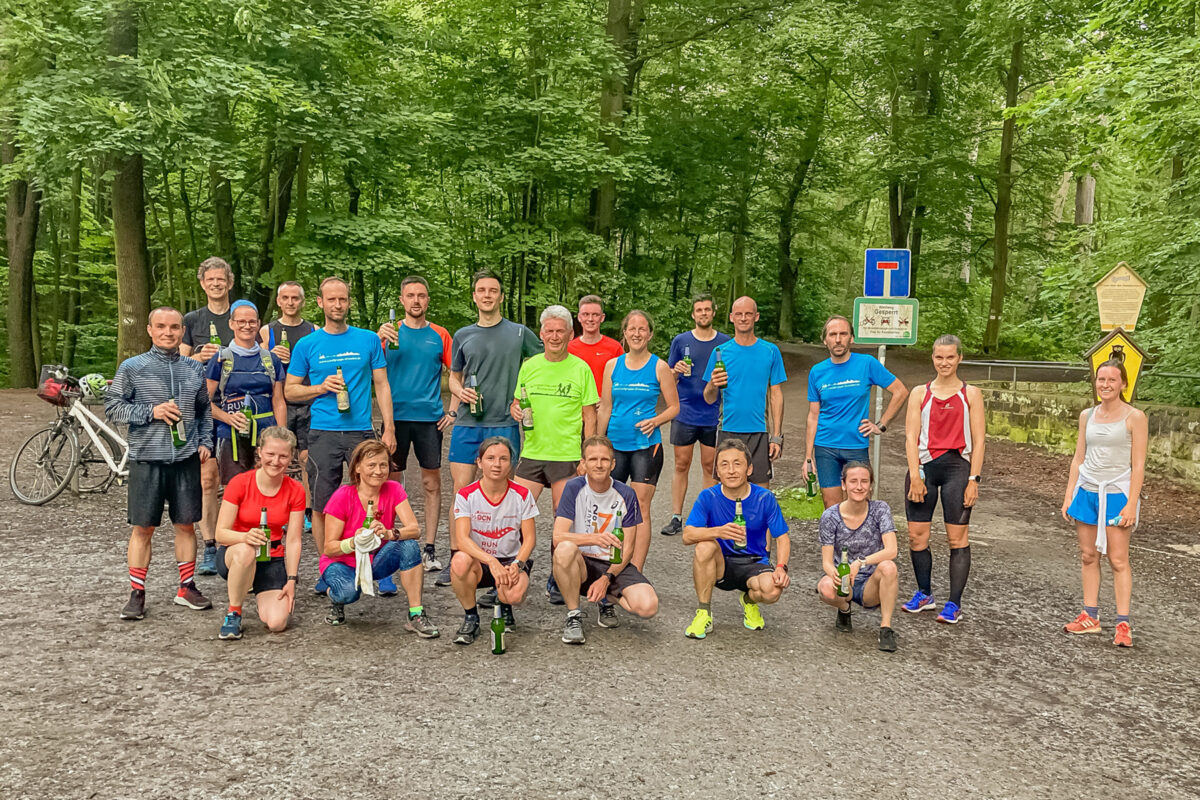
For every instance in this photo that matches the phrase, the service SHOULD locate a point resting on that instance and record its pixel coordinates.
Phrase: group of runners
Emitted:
(221, 400)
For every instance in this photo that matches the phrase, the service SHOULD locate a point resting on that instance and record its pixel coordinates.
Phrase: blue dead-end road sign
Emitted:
(888, 273)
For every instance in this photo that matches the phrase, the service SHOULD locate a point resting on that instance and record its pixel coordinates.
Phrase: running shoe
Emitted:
(443, 578)
(552, 593)
(231, 628)
(467, 631)
(337, 614)
(887, 640)
(136, 607)
(191, 597)
(1084, 623)
(321, 587)
(606, 616)
(1124, 637)
(672, 528)
(208, 562)
(430, 560)
(752, 618)
(307, 523)
(488, 600)
(506, 614)
(423, 626)
(573, 630)
(950, 613)
(387, 587)
(920, 602)
(701, 626)
(845, 621)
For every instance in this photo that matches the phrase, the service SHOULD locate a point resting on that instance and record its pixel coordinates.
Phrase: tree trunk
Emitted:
(1085, 208)
(787, 210)
(21, 217)
(622, 27)
(134, 283)
(1004, 182)
(71, 315)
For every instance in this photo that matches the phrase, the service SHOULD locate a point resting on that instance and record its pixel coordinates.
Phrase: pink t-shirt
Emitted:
(346, 506)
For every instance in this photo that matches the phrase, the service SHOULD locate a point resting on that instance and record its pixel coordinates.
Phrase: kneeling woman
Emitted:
(241, 536)
(862, 528)
(388, 546)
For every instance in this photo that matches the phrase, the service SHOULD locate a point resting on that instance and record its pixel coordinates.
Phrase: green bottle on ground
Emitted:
(497, 631)
(616, 556)
(526, 410)
(738, 519)
(843, 571)
(264, 549)
(178, 432)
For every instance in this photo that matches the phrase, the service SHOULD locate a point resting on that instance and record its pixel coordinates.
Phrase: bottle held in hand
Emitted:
(264, 549)
(526, 410)
(343, 395)
(843, 571)
(616, 556)
(476, 406)
(178, 432)
(739, 519)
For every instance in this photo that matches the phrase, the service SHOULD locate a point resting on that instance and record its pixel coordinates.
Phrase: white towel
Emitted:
(365, 543)
(1120, 483)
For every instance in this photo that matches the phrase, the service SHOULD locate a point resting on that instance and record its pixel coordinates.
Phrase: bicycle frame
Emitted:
(86, 418)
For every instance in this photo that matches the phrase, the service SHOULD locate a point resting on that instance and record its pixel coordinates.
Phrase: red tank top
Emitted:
(945, 424)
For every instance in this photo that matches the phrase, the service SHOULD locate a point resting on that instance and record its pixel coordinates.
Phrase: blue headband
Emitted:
(242, 304)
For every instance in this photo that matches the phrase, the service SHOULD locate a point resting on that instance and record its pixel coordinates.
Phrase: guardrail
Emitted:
(1066, 366)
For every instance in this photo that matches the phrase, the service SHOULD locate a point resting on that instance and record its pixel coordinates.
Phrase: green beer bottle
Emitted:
(477, 403)
(283, 340)
(370, 520)
(249, 415)
(391, 319)
(526, 410)
(213, 336)
(497, 631)
(178, 432)
(616, 556)
(843, 571)
(343, 395)
(264, 549)
(720, 365)
(811, 490)
(738, 519)
(687, 358)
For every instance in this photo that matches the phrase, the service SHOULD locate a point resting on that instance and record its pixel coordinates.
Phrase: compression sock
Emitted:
(922, 561)
(704, 607)
(960, 568)
(414, 611)
(235, 610)
(186, 570)
(1122, 618)
(1092, 611)
(137, 578)
(473, 611)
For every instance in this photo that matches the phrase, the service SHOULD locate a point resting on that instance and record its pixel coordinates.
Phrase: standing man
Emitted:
(591, 345)
(416, 352)
(280, 337)
(751, 377)
(338, 360)
(156, 393)
(698, 419)
(839, 398)
(561, 392)
(216, 279)
(488, 356)
(734, 554)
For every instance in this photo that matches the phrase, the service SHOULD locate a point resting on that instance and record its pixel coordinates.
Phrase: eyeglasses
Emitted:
(245, 323)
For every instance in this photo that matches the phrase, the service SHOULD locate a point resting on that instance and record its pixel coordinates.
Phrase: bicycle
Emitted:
(58, 456)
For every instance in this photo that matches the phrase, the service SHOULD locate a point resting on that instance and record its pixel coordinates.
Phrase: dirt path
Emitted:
(1003, 705)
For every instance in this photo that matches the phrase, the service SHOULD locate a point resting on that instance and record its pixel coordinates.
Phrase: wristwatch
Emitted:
(521, 565)
(882, 428)
(294, 578)
(782, 567)
(976, 478)
(777, 440)
(611, 578)
(452, 414)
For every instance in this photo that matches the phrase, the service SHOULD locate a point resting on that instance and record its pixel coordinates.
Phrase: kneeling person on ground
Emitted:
(732, 553)
(589, 559)
(492, 538)
(862, 529)
(394, 524)
(243, 540)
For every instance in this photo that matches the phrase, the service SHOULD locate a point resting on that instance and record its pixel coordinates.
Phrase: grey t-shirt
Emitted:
(494, 356)
(861, 541)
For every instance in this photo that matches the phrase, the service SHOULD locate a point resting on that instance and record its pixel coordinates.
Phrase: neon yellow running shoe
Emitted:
(752, 618)
(701, 625)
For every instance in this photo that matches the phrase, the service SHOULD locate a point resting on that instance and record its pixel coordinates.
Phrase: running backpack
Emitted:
(226, 356)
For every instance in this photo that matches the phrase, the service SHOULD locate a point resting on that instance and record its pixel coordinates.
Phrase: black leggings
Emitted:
(949, 472)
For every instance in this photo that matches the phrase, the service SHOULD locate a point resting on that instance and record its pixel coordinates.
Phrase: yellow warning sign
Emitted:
(1120, 294)
(1119, 346)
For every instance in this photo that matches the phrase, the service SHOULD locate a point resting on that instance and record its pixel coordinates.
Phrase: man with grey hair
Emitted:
(205, 331)
(555, 402)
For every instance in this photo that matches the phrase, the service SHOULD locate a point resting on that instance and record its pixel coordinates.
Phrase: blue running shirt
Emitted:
(318, 355)
(751, 371)
(844, 392)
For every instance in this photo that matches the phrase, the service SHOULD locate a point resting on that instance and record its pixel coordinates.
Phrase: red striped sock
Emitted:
(235, 610)
(186, 570)
(137, 578)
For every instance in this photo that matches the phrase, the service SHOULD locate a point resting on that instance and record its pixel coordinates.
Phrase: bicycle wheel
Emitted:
(42, 467)
(94, 474)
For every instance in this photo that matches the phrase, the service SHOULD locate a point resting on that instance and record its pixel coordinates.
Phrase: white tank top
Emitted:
(1109, 449)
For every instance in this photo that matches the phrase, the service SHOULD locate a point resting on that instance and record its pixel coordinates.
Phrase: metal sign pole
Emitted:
(876, 445)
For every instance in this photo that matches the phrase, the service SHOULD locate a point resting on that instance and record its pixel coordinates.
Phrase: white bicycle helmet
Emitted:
(93, 386)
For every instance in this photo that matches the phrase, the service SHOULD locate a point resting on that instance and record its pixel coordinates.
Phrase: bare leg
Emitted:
(762, 589)
(210, 481)
(831, 496)
(273, 610)
(1090, 563)
(880, 590)
(707, 568)
(679, 482)
(431, 482)
(412, 579)
(828, 594)
(641, 543)
(708, 463)
(1118, 559)
(239, 558)
(640, 600)
(462, 475)
(569, 570)
(465, 574)
(185, 543)
(139, 546)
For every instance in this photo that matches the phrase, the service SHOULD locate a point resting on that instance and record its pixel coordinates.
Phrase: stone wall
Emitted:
(1047, 415)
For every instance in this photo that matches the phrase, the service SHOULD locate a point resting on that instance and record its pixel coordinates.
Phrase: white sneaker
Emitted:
(431, 562)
